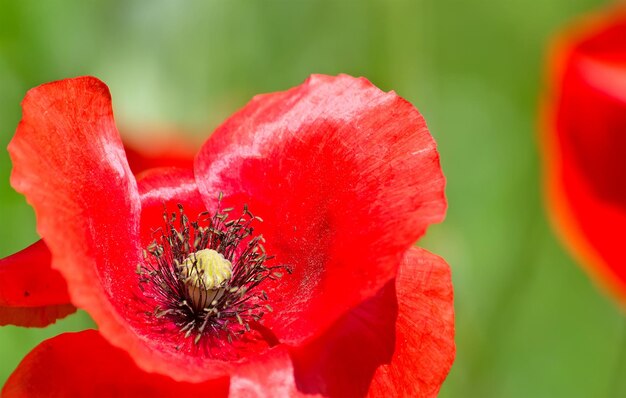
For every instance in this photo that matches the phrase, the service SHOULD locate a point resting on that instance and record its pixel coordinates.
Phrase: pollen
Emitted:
(206, 269)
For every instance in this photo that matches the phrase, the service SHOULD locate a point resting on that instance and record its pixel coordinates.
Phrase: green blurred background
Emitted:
(529, 322)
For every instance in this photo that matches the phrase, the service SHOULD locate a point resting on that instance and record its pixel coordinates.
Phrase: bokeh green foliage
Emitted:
(529, 322)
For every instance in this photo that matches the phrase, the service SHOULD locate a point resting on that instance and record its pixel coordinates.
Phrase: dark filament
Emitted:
(226, 312)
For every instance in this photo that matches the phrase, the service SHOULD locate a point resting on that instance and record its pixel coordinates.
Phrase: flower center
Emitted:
(204, 277)
(205, 272)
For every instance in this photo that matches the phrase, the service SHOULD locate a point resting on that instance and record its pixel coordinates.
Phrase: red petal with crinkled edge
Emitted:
(31, 293)
(584, 144)
(84, 364)
(35, 316)
(399, 343)
(424, 344)
(69, 162)
(346, 178)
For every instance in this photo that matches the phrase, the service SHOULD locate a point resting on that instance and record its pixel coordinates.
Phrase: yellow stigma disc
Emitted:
(206, 269)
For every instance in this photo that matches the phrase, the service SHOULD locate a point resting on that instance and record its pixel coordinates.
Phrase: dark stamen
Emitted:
(223, 312)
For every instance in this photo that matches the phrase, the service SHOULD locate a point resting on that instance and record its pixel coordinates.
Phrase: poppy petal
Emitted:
(269, 375)
(69, 162)
(84, 364)
(346, 178)
(424, 344)
(398, 343)
(342, 362)
(31, 293)
(162, 189)
(584, 144)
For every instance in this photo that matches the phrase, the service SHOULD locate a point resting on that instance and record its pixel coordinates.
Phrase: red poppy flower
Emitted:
(584, 144)
(282, 261)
